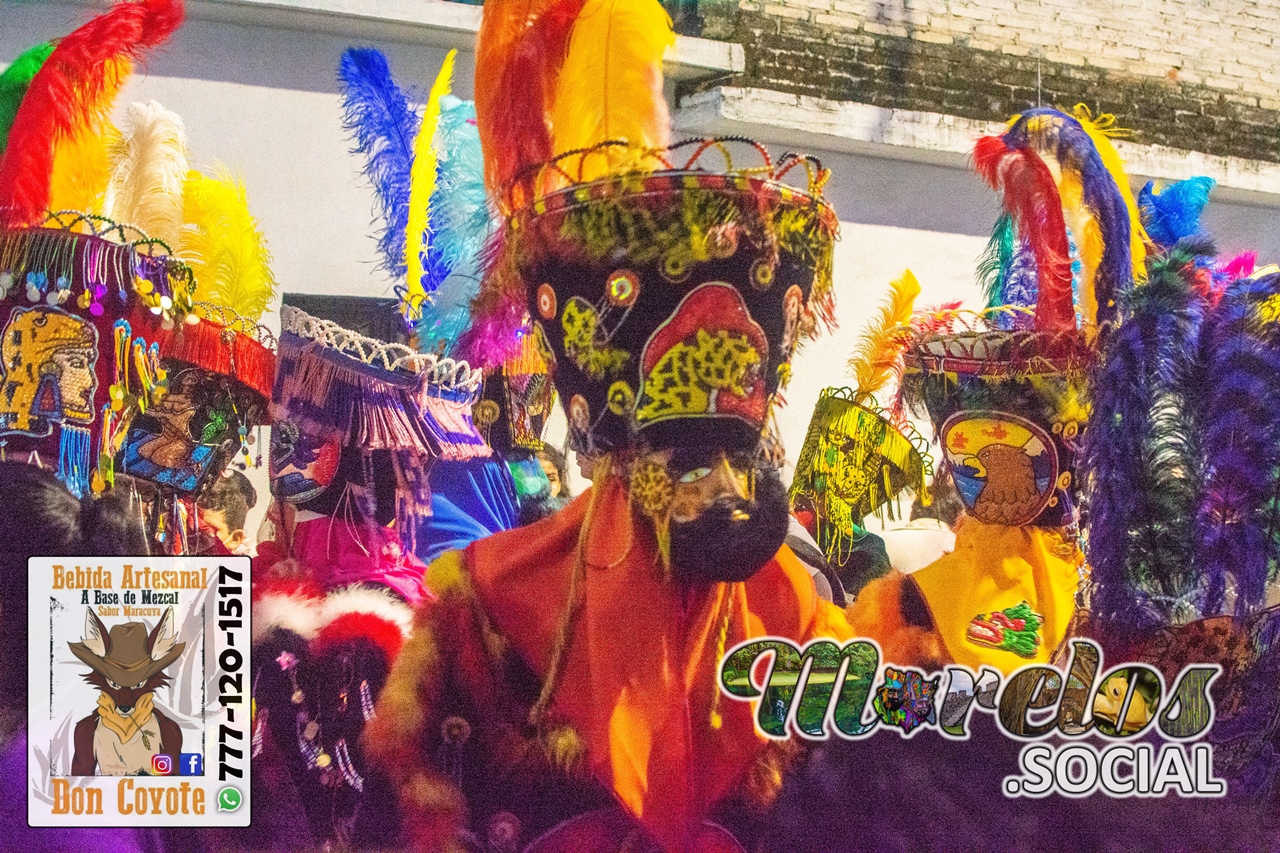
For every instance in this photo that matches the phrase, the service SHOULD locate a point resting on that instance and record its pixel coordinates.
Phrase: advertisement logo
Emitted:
(191, 764)
(846, 690)
(229, 799)
(162, 765)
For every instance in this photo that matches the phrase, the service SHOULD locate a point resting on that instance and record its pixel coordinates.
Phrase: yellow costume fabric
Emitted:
(994, 568)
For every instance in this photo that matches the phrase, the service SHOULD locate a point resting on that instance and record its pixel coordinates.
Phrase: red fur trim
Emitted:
(71, 92)
(361, 626)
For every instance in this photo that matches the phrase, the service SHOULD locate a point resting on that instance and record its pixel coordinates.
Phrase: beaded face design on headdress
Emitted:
(73, 364)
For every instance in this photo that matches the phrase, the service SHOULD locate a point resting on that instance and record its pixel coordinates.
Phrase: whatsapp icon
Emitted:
(229, 799)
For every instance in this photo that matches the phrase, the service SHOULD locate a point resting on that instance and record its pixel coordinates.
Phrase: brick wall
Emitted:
(1202, 75)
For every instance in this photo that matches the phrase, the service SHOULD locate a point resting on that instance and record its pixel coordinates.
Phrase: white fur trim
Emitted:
(301, 614)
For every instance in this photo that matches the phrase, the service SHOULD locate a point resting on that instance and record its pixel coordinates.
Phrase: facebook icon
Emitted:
(191, 764)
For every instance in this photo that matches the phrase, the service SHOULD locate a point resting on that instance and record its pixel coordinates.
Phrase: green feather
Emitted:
(995, 260)
(14, 83)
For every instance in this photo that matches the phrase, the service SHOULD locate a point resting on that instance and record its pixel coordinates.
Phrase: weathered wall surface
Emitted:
(1202, 75)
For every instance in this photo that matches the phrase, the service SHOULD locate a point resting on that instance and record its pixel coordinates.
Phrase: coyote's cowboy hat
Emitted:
(129, 654)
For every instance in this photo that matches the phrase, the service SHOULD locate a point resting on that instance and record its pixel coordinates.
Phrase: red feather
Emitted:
(1031, 197)
(72, 90)
(522, 45)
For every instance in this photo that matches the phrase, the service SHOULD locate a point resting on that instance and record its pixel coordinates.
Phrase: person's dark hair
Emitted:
(945, 505)
(39, 517)
(232, 495)
(557, 460)
(720, 545)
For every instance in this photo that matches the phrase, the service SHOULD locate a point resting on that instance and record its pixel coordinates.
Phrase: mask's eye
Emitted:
(695, 475)
(112, 684)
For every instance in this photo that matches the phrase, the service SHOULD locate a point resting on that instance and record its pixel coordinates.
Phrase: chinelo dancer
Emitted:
(564, 681)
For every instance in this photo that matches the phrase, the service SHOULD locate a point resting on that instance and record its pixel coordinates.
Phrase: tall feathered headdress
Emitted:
(71, 92)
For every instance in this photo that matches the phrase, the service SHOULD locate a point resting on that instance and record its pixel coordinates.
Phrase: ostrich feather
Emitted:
(71, 91)
(148, 170)
(1031, 198)
(224, 246)
(378, 116)
(1173, 211)
(1236, 525)
(82, 169)
(422, 185)
(1101, 131)
(1062, 138)
(1142, 453)
(460, 225)
(996, 259)
(14, 83)
(610, 86)
(521, 50)
(879, 352)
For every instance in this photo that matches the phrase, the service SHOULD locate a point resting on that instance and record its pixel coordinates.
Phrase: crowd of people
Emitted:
(453, 652)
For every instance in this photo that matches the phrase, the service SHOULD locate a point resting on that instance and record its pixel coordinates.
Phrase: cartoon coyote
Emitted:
(124, 734)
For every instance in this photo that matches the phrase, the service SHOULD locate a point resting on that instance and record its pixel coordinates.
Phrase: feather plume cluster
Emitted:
(519, 53)
(82, 169)
(377, 114)
(1182, 454)
(878, 357)
(14, 83)
(1031, 197)
(148, 171)
(460, 226)
(1096, 201)
(71, 93)
(224, 246)
(610, 86)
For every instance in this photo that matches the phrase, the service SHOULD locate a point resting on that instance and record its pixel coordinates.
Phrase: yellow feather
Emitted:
(880, 348)
(1101, 131)
(422, 185)
(610, 86)
(1088, 236)
(148, 170)
(224, 247)
(81, 171)
(81, 167)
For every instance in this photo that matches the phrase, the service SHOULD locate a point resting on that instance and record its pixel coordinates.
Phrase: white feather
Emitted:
(297, 613)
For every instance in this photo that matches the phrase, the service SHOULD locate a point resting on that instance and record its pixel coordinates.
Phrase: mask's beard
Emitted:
(717, 547)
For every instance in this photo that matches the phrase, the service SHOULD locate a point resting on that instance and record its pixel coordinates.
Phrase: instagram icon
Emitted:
(161, 765)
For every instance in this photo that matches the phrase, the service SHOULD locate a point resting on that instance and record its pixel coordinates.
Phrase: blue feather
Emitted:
(460, 223)
(1174, 211)
(377, 114)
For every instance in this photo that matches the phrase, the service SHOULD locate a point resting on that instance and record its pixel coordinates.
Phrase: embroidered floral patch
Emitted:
(1015, 629)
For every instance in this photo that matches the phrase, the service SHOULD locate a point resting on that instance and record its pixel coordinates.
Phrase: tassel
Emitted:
(215, 348)
(73, 459)
(347, 768)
